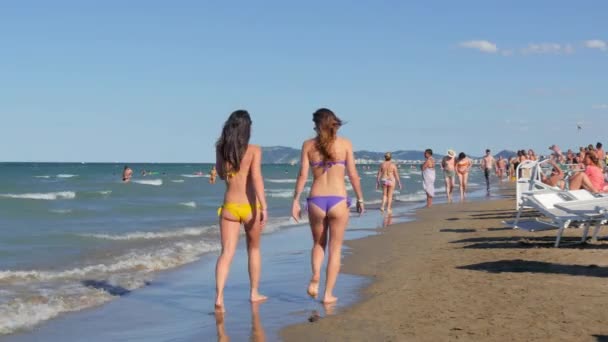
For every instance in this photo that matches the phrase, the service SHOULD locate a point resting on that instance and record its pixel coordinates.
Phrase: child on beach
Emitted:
(329, 157)
(239, 164)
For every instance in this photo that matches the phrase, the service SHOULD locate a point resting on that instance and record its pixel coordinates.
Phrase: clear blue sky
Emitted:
(154, 80)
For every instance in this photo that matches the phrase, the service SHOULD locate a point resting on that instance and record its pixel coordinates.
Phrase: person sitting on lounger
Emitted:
(556, 178)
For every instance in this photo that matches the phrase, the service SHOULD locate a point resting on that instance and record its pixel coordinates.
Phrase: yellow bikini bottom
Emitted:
(240, 211)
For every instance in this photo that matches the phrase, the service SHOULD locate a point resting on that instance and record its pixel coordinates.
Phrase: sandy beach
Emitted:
(457, 274)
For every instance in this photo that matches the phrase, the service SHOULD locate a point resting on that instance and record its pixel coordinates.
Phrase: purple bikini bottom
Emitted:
(325, 203)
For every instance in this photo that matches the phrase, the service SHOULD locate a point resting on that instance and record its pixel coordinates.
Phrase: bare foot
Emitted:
(256, 297)
(329, 299)
(382, 209)
(313, 289)
(219, 308)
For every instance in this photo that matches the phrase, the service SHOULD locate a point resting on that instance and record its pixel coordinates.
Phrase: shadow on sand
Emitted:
(526, 266)
(453, 230)
(527, 242)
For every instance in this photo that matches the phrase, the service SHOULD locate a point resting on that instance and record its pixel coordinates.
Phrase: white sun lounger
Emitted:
(548, 204)
(595, 210)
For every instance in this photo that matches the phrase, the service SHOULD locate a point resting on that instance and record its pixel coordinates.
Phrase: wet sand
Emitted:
(457, 274)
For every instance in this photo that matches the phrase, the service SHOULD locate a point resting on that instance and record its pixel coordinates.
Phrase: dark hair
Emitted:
(488, 150)
(233, 142)
(429, 151)
(327, 125)
(126, 167)
(594, 158)
(598, 145)
(461, 156)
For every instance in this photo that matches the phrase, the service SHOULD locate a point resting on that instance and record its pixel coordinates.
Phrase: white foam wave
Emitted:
(44, 176)
(153, 235)
(61, 211)
(158, 259)
(66, 175)
(155, 182)
(177, 180)
(280, 180)
(188, 204)
(104, 192)
(196, 176)
(24, 313)
(417, 197)
(48, 196)
(279, 193)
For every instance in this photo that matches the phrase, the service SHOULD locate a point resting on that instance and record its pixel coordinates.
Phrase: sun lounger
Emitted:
(548, 204)
(594, 210)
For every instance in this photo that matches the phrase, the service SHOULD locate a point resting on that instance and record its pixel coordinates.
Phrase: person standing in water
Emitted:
(329, 157)
(428, 176)
(448, 164)
(212, 175)
(487, 163)
(386, 177)
(127, 173)
(463, 166)
(239, 164)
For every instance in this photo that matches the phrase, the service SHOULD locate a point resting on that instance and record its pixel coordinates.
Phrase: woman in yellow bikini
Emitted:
(239, 164)
(329, 157)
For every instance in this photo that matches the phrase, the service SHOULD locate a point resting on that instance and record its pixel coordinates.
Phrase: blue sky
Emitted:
(155, 80)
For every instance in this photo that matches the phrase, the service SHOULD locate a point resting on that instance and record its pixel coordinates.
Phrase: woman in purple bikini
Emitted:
(329, 157)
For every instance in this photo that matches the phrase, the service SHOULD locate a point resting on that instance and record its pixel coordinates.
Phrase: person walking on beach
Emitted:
(428, 177)
(386, 177)
(448, 164)
(329, 157)
(239, 164)
(463, 166)
(127, 173)
(487, 163)
(501, 167)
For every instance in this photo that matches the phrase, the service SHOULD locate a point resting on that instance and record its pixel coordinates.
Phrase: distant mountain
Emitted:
(288, 155)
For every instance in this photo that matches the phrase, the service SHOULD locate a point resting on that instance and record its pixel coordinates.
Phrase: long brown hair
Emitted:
(234, 140)
(327, 125)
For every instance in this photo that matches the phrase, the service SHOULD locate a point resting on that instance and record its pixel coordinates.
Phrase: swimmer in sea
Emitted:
(127, 173)
(212, 175)
(387, 176)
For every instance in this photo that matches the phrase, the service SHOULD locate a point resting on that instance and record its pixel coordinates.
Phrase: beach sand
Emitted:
(457, 274)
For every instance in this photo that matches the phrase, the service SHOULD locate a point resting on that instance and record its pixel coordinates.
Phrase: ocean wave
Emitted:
(279, 193)
(415, 197)
(146, 261)
(191, 231)
(191, 204)
(61, 211)
(196, 176)
(43, 176)
(47, 196)
(177, 180)
(280, 180)
(155, 182)
(66, 175)
(24, 313)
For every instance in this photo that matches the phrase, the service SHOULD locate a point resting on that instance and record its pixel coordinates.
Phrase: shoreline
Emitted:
(457, 273)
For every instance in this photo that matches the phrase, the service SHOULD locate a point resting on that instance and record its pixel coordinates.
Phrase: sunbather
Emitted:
(556, 178)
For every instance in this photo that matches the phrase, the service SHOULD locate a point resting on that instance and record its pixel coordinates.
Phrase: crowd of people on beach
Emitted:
(329, 158)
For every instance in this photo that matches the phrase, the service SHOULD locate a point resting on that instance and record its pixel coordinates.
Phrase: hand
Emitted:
(400, 186)
(264, 217)
(360, 208)
(296, 211)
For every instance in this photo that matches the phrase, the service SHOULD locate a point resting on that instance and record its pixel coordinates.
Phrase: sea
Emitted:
(73, 236)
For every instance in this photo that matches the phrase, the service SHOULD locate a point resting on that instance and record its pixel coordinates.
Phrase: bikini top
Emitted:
(327, 164)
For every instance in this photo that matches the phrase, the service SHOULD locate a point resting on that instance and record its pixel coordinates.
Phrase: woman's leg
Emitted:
(229, 235)
(460, 185)
(581, 181)
(338, 219)
(318, 228)
(253, 231)
(389, 198)
(447, 187)
(465, 179)
(384, 196)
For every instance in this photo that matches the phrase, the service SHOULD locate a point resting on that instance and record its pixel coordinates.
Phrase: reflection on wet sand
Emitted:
(257, 329)
(388, 220)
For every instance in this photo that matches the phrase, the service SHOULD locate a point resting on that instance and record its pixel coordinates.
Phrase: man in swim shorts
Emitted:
(487, 163)
(447, 164)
